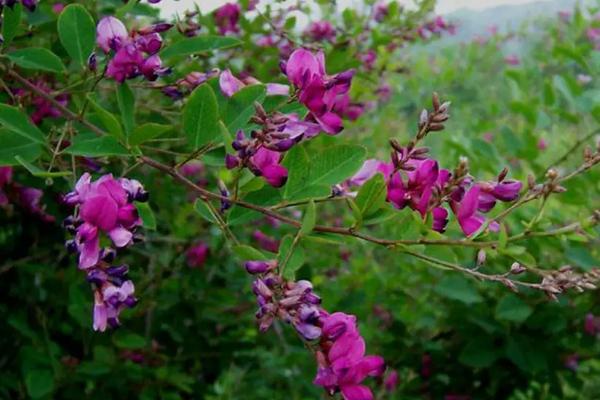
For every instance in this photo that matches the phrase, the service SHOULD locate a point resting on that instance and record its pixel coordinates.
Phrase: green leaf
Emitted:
(239, 108)
(128, 340)
(247, 253)
(77, 33)
(202, 209)
(336, 163)
(479, 353)
(458, 288)
(126, 101)
(310, 218)
(512, 308)
(39, 382)
(146, 132)
(18, 122)
(371, 196)
(93, 146)
(110, 122)
(199, 44)
(290, 257)
(355, 212)
(147, 215)
(11, 18)
(37, 58)
(201, 117)
(15, 145)
(38, 172)
(297, 162)
(314, 176)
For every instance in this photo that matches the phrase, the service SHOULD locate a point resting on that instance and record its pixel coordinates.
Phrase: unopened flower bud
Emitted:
(435, 101)
(256, 267)
(517, 268)
(481, 256)
(502, 174)
(552, 174)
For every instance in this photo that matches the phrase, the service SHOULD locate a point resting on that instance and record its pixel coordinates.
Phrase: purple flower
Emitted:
(277, 89)
(380, 11)
(266, 164)
(368, 170)
(125, 64)
(196, 255)
(368, 59)
(5, 179)
(229, 84)
(109, 300)
(466, 211)
(512, 59)
(227, 17)
(391, 381)
(103, 206)
(111, 34)
(344, 365)
(317, 90)
(267, 243)
(416, 191)
(320, 31)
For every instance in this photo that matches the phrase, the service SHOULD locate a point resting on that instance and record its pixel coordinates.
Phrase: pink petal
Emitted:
(356, 392)
(120, 236)
(90, 253)
(229, 84)
(100, 211)
(350, 347)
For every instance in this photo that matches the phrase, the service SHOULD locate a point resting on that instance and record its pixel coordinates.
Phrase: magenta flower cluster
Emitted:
(337, 343)
(105, 206)
(326, 98)
(135, 54)
(227, 17)
(425, 187)
(318, 91)
(42, 107)
(25, 198)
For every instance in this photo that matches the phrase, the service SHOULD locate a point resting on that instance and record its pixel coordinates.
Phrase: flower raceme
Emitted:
(338, 345)
(135, 54)
(105, 205)
(422, 186)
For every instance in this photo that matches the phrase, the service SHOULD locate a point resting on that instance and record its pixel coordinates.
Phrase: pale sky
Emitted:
(170, 7)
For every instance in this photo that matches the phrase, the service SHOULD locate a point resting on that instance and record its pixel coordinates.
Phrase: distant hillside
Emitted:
(507, 17)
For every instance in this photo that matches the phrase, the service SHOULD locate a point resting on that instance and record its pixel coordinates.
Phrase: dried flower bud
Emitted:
(587, 153)
(552, 174)
(444, 107)
(436, 127)
(260, 111)
(435, 100)
(502, 174)
(440, 117)
(530, 181)
(559, 189)
(396, 145)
